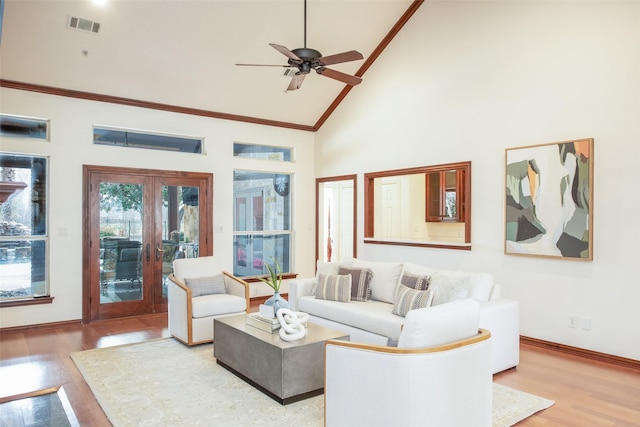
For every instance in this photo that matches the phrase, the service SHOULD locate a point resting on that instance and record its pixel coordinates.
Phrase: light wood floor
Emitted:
(586, 392)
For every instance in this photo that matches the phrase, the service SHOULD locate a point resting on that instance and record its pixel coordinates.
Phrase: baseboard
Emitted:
(67, 323)
(581, 352)
(39, 326)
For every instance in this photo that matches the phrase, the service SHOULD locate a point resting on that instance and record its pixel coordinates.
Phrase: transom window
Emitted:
(265, 152)
(140, 139)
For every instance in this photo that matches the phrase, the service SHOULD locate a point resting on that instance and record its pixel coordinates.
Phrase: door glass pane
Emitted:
(121, 226)
(180, 227)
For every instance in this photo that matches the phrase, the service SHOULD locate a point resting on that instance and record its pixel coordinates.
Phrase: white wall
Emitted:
(464, 81)
(71, 147)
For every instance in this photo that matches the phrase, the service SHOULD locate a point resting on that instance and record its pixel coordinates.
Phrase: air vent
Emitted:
(83, 24)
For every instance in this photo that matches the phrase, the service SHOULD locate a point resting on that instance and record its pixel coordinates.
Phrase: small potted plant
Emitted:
(274, 280)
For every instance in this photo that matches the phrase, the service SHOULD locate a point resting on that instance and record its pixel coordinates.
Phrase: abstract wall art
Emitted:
(549, 200)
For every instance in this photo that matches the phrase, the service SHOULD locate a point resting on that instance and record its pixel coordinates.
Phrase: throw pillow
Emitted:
(415, 281)
(409, 299)
(385, 280)
(448, 287)
(360, 280)
(334, 287)
(206, 285)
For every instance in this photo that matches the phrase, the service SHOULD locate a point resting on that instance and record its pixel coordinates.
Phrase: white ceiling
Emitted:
(183, 52)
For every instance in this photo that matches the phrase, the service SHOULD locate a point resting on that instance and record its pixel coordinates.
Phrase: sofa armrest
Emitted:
(180, 309)
(238, 287)
(448, 384)
(502, 317)
(299, 288)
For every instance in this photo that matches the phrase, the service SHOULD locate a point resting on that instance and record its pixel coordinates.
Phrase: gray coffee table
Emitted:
(287, 371)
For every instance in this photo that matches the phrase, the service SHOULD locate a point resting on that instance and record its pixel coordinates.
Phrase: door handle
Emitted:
(158, 251)
(148, 252)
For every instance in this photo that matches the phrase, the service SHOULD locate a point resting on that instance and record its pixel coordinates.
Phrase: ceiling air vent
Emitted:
(83, 24)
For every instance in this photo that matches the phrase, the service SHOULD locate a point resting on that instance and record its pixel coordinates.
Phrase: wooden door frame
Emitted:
(89, 250)
(319, 182)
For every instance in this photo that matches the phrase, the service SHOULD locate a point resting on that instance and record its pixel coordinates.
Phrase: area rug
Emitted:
(164, 383)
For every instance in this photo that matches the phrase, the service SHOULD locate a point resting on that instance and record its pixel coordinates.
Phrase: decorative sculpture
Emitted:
(292, 324)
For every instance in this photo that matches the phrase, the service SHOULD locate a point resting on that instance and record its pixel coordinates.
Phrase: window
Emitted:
(23, 226)
(138, 139)
(262, 222)
(24, 127)
(265, 152)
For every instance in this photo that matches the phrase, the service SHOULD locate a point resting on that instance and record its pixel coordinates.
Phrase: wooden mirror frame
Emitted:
(369, 203)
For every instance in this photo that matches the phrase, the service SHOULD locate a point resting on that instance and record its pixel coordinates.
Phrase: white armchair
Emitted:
(447, 383)
(191, 318)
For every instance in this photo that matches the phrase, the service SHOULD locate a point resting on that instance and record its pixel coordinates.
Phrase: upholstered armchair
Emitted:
(198, 292)
(438, 375)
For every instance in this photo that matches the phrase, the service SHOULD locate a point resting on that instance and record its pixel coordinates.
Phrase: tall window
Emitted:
(262, 222)
(23, 226)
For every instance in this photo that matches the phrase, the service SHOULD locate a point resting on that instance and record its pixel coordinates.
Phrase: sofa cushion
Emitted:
(324, 267)
(372, 316)
(418, 270)
(453, 285)
(216, 305)
(206, 285)
(415, 281)
(441, 324)
(447, 287)
(360, 280)
(410, 299)
(386, 277)
(334, 287)
(205, 266)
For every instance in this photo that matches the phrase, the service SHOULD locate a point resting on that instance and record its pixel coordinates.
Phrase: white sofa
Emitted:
(372, 322)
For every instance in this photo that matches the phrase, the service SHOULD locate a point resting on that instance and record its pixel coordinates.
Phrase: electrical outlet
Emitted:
(573, 321)
(585, 324)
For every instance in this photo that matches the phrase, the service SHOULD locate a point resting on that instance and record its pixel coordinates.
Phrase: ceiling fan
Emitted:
(306, 59)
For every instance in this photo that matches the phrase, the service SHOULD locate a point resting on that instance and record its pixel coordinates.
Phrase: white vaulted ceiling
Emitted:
(183, 52)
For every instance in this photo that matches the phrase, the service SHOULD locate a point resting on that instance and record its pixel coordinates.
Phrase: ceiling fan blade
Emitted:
(263, 65)
(286, 52)
(337, 75)
(296, 81)
(351, 55)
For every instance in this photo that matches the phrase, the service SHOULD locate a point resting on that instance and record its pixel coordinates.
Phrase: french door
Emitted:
(137, 222)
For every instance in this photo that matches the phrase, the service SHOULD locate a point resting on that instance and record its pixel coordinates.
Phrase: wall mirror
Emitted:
(336, 218)
(422, 206)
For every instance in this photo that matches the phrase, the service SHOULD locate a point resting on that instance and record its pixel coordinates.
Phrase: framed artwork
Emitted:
(549, 200)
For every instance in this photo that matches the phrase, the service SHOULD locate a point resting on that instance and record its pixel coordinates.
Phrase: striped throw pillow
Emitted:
(334, 287)
(415, 281)
(360, 279)
(409, 299)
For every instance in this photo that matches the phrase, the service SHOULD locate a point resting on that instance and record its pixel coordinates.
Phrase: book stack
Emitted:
(267, 324)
